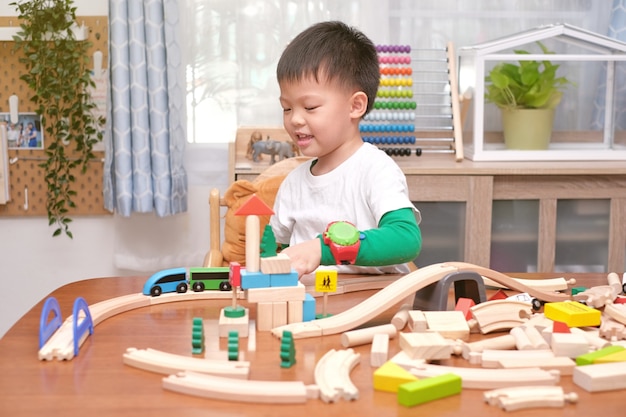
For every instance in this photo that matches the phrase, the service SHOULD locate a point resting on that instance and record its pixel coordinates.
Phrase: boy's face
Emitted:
(320, 117)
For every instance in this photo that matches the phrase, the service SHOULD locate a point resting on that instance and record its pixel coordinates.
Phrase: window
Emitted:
(233, 45)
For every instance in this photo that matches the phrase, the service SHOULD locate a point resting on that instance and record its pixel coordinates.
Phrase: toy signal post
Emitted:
(325, 282)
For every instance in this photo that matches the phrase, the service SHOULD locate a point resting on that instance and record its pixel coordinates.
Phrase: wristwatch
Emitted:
(344, 241)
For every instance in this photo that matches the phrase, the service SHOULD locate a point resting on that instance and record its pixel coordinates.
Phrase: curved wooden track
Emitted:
(169, 363)
(230, 389)
(397, 291)
(332, 375)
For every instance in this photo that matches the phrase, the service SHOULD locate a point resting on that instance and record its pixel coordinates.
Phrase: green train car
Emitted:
(215, 278)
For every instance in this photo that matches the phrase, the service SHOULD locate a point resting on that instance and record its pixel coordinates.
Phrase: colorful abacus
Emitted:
(391, 121)
(396, 124)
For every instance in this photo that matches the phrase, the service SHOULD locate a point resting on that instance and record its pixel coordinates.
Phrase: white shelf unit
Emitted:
(589, 47)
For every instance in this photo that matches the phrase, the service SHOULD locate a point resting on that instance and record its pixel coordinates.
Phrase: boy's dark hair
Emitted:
(336, 51)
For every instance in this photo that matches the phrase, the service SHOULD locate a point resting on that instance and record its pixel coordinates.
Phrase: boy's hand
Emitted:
(305, 257)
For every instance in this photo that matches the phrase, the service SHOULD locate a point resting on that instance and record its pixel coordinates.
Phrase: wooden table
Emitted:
(98, 383)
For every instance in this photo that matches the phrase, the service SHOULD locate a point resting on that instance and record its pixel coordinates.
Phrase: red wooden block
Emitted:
(620, 300)
(234, 275)
(499, 295)
(464, 305)
(560, 327)
(254, 206)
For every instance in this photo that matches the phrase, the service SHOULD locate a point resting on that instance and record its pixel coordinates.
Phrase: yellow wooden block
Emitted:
(613, 357)
(572, 313)
(390, 376)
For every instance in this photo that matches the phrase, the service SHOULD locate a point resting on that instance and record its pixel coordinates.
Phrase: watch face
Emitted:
(343, 233)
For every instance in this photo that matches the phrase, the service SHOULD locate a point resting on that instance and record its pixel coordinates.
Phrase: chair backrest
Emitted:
(265, 186)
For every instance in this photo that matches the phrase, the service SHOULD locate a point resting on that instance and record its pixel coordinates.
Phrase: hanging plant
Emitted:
(58, 75)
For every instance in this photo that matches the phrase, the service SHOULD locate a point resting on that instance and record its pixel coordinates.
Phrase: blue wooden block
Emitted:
(254, 280)
(284, 280)
(308, 308)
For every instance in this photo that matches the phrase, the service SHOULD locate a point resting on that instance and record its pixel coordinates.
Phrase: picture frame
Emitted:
(26, 133)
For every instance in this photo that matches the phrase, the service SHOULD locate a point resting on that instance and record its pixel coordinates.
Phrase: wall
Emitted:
(33, 264)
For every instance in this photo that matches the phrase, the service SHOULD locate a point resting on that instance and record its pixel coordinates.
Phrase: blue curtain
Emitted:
(144, 144)
(617, 30)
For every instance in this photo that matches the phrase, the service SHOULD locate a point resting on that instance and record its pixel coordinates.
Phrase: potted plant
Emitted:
(59, 80)
(527, 93)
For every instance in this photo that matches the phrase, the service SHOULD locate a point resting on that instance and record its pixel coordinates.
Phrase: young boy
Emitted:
(328, 77)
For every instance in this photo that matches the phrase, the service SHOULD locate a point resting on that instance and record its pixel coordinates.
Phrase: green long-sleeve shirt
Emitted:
(397, 240)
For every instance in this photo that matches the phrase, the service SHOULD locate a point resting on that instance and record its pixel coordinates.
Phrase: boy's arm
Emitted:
(397, 240)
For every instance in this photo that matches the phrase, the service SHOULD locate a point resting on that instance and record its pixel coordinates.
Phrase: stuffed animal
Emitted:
(234, 246)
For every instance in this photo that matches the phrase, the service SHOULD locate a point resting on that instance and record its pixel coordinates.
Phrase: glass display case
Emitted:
(589, 121)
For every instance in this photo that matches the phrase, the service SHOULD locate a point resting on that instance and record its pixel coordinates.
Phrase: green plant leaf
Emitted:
(59, 77)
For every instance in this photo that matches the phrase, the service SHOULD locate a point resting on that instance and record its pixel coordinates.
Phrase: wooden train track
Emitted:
(230, 389)
(332, 375)
(391, 293)
(168, 363)
(398, 290)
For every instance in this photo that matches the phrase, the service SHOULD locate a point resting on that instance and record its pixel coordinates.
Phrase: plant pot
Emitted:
(527, 129)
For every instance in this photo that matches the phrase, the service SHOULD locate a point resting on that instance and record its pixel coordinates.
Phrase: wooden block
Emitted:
(528, 338)
(449, 324)
(380, 349)
(593, 337)
(429, 389)
(308, 307)
(425, 345)
(279, 314)
(613, 357)
(366, 335)
(294, 311)
(279, 264)
(491, 358)
(592, 357)
(264, 313)
(464, 305)
(539, 321)
(601, 377)
(572, 313)
(273, 294)
(571, 345)
(417, 321)
(400, 319)
(564, 365)
(498, 295)
(239, 324)
(390, 376)
(616, 311)
(289, 279)
(560, 327)
(255, 279)
(504, 342)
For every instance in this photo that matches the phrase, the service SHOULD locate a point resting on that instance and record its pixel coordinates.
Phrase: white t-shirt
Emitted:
(361, 190)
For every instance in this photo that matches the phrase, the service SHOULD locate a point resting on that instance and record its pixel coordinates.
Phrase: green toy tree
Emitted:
(287, 350)
(268, 242)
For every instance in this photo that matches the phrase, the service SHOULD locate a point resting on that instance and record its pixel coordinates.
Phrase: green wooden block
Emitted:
(428, 389)
(588, 358)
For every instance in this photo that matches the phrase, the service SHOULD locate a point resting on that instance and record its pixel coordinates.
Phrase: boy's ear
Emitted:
(359, 104)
